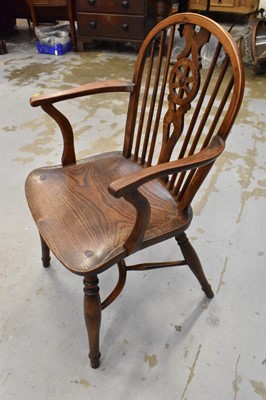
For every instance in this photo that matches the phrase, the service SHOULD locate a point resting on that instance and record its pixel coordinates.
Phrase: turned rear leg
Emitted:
(45, 254)
(194, 264)
(92, 314)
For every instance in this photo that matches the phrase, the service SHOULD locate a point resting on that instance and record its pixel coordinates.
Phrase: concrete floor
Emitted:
(161, 338)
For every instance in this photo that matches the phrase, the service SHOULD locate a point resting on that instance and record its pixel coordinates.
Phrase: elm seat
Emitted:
(83, 190)
(93, 213)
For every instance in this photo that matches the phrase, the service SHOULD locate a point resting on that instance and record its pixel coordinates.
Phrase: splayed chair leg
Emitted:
(194, 264)
(92, 313)
(45, 254)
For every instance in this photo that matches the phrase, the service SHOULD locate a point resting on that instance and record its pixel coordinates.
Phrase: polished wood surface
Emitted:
(116, 21)
(93, 213)
(226, 6)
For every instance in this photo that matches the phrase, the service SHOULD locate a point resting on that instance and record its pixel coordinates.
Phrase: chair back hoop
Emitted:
(189, 81)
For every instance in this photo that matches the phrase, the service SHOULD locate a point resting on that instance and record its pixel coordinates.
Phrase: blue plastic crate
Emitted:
(58, 50)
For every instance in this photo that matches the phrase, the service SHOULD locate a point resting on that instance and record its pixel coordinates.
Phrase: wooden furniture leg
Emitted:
(92, 314)
(194, 263)
(3, 48)
(70, 12)
(45, 254)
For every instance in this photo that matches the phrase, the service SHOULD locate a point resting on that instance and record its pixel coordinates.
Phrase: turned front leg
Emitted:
(45, 254)
(92, 313)
(194, 264)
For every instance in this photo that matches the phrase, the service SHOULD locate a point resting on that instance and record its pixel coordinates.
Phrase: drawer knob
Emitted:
(219, 1)
(92, 2)
(125, 27)
(92, 24)
(125, 4)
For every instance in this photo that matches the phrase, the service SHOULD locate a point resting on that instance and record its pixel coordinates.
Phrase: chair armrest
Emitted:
(46, 103)
(128, 187)
(84, 90)
(125, 185)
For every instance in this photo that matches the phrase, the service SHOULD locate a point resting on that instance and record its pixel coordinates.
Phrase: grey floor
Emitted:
(161, 338)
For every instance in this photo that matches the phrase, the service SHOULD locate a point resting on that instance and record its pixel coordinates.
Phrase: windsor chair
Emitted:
(93, 213)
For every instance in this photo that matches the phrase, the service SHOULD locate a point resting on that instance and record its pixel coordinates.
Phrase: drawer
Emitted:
(223, 3)
(111, 26)
(214, 4)
(111, 6)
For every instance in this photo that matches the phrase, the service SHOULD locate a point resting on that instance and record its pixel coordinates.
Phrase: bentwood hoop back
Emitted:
(93, 213)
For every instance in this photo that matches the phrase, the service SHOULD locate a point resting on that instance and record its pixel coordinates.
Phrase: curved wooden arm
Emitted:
(84, 90)
(143, 210)
(128, 187)
(46, 102)
(131, 182)
(68, 155)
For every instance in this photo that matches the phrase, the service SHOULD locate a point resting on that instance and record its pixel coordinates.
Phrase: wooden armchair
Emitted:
(95, 212)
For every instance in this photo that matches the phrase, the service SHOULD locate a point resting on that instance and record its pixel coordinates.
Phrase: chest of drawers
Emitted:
(232, 6)
(114, 20)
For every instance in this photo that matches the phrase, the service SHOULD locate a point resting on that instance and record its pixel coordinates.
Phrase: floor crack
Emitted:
(192, 372)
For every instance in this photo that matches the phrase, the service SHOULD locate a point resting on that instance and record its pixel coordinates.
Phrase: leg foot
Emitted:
(194, 264)
(92, 314)
(45, 254)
